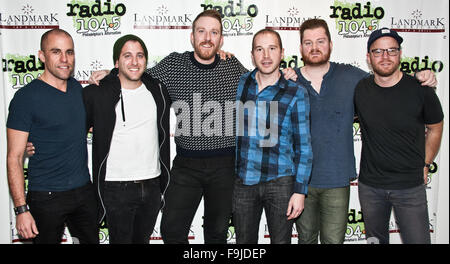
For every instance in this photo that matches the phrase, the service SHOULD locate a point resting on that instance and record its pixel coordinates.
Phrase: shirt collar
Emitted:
(281, 83)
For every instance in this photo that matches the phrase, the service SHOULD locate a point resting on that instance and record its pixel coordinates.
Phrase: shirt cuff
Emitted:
(300, 188)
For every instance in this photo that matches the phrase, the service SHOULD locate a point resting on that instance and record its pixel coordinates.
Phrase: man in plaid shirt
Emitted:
(273, 146)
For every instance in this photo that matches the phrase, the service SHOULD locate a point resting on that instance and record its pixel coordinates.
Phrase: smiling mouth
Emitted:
(385, 64)
(206, 45)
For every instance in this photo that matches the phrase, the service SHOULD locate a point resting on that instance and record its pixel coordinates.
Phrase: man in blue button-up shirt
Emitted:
(273, 146)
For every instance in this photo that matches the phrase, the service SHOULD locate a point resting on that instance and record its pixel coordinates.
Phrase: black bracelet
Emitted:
(21, 209)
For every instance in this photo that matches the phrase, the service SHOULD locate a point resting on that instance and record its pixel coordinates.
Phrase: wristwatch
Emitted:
(21, 209)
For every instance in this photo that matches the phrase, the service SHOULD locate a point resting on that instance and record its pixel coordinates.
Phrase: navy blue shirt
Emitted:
(56, 123)
(332, 113)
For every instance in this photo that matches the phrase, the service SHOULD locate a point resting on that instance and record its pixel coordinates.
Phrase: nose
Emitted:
(385, 54)
(63, 57)
(134, 60)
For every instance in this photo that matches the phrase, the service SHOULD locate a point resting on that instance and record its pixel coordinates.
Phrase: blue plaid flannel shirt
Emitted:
(270, 148)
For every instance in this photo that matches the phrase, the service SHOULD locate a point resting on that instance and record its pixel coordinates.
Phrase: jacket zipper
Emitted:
(99, 171)
(98, 188)
(162, 142)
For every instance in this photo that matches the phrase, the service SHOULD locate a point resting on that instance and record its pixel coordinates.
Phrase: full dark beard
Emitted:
(307, 61)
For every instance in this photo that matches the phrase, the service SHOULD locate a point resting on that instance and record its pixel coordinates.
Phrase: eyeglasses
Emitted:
(390, 52)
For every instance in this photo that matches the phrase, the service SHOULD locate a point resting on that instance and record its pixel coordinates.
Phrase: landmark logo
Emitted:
(163, 18)
(291, 21)
(418, 23)
(29, 18)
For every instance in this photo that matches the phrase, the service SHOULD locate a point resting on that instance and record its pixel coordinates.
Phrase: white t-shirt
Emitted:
(134, 151)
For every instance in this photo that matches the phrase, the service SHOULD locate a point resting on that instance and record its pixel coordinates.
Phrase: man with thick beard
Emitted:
(331, 87)
(201, 86)
(394, 111)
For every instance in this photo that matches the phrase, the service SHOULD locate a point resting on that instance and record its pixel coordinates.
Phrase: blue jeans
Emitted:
(325, 215)
(249, 202)
(76, 208)
(131, 210)
(410, 210)
(192, 179)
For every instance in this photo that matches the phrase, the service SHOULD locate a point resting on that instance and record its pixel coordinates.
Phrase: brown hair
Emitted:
(314, 23)
(209, 13)
(267, 30)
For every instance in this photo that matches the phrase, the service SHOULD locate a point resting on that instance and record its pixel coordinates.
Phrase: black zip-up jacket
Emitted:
(100, 103)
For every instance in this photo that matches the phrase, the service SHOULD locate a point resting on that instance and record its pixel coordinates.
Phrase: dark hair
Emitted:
(314, 23)
(120, 42)
(209, 13)
(264, 31)
(44, 36)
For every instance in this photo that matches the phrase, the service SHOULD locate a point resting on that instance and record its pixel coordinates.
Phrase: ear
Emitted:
(282, 53)
(192, 39)
(116, 65)
(369, 62)
(221, 41)
(253, 59)
(41, 56)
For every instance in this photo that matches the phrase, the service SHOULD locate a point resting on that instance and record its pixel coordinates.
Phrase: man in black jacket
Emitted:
(129, 114)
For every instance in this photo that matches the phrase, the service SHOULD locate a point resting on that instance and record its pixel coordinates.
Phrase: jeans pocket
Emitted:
(33, 196)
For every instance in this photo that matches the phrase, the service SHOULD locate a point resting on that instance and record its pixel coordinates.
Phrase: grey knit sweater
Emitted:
(201, 97)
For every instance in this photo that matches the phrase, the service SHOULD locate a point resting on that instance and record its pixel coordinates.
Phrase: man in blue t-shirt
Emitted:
(49, 112)
(331, 87)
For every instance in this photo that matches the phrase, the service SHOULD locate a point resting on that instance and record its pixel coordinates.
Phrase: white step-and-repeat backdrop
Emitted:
(165, 26)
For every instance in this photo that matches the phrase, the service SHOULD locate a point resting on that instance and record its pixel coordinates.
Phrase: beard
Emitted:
(317, 61)
(385, 72)
(206, 54)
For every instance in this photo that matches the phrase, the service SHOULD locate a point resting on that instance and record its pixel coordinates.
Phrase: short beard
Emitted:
(385, 73)
(204, 56)
(325, 60)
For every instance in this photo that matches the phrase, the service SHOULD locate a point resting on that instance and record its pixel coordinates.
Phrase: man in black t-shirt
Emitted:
(394, 110)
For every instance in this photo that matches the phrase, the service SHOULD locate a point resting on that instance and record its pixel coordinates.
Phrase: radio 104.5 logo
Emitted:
(96, 18)
(355, 20)
(237, 16)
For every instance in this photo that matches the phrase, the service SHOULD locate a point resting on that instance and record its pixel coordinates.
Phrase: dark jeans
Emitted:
(192, 179)
(410, 210)
(131, 210)
(325, 215)
(248, 203)
(77, 208)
